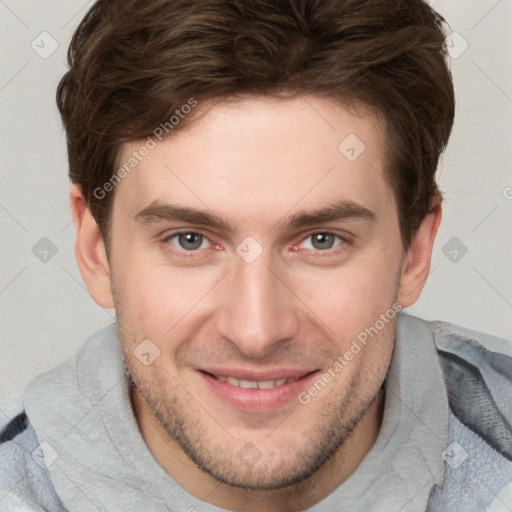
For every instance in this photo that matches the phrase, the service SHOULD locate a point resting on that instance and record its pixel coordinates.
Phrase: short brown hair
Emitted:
(133, 63)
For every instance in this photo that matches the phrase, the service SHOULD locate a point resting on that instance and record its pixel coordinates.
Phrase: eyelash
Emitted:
(196, 253)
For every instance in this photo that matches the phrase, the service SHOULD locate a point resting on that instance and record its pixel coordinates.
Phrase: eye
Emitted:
(188, 240)
(322, 241)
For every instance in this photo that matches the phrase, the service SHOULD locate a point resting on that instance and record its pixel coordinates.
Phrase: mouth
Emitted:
(264, 392)
(253, 384)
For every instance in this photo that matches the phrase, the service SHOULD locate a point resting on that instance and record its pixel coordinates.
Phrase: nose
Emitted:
(258, 311)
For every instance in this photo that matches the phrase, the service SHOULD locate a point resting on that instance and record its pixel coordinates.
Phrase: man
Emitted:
(253, 188)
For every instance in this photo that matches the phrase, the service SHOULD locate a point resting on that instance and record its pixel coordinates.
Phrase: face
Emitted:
(252, 249)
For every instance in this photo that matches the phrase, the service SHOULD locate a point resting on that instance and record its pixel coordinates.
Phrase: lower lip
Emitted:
(258, 400)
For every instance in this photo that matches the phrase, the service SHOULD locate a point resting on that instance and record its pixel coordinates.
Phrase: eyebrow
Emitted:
(339, 210)
(159, 212)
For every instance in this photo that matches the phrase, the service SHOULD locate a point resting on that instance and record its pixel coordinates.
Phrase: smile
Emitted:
(256, 391)
(251, 384)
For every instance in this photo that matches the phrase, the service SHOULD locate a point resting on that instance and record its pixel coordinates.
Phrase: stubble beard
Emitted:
(276, 470)
(320, 443)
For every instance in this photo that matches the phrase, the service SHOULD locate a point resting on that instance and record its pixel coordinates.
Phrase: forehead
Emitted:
(262, 155)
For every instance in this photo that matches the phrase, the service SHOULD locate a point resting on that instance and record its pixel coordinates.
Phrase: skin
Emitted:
(255, 163)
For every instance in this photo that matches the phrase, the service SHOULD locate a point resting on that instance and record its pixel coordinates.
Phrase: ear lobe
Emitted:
(416, 266)
(90, 251)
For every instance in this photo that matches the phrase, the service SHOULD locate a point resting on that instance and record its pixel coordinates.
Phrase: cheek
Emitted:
(349, 298)
(156, 296)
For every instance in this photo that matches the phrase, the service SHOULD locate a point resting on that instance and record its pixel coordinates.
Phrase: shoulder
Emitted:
(25, 483)
(447, 334)
(477, 371)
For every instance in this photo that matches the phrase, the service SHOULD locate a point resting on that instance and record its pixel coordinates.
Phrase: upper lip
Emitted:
(255, 375)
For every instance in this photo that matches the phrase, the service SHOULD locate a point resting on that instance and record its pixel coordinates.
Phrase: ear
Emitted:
(90, 251)
(416, 265)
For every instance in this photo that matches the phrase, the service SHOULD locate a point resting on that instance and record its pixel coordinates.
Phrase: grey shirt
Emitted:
(98, 460)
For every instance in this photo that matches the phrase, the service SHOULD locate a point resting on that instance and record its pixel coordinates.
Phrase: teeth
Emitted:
(248, 384)
(233, 381)
(251, 384)
(267, 384)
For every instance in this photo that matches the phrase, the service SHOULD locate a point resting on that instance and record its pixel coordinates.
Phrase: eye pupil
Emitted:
(190, 241)
(323, 240)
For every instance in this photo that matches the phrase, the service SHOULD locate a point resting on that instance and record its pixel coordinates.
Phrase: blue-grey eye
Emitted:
(322, 241)
(189, 241)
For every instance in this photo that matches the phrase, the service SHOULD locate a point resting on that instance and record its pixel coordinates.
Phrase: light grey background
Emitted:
(46, 313)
